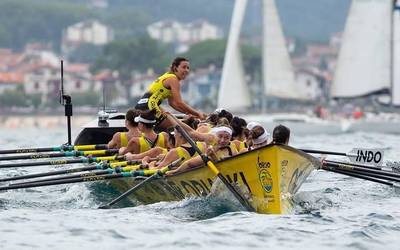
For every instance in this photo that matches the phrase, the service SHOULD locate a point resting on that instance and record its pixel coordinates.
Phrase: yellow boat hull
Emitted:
(270, 176)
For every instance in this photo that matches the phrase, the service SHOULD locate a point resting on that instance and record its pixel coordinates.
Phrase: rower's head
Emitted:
(238, 125)
(224, 113)
(130, 116)
(281, 134)
(258, 136)
(212, 119)
(180, 67)
(146, 120)
(223, 134)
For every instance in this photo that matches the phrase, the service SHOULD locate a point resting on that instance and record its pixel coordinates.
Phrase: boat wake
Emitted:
(60, 197)
(192, 208)
(310, 202)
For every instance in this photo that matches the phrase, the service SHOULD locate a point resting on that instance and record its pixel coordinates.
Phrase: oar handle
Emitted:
(88, 147)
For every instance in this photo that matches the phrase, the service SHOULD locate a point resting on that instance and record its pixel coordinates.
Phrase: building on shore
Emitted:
(183, 35)
(87, 32)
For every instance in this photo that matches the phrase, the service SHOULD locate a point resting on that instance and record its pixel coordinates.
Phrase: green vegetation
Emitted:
(86, 53)
(213, 51)
(24, 21)
(17, 98)
(88, 98)
(205, 53)
(137, 54)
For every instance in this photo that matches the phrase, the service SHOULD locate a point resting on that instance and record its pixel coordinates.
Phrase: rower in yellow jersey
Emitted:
(168, 86)
(149, 139)
(121, 139)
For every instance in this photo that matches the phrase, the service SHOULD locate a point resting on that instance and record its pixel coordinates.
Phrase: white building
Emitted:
(310, 82)
(201, 88)
(183, 34)
(43, 79)
(90, 31)
(10, 81)
(140, 83)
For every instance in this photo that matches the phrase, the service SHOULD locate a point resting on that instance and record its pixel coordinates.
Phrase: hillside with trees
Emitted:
(24, 21)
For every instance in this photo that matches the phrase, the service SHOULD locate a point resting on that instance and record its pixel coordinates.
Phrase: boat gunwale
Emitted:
(309, 157)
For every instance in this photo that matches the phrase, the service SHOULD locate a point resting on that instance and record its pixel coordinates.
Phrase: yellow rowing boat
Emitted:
(268, 176)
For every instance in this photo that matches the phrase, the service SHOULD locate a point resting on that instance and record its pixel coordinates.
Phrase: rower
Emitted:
(149, 139)
(168, 86)
(249, 127)
(258, 136)
(238, 135)
(159, 152)
(281, 134)
(222, 147)
(121, 139)
(183, 150)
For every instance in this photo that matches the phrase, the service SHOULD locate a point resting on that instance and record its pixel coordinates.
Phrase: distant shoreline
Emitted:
(42, 121)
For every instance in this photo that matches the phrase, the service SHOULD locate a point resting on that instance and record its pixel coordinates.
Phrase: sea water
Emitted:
(332, 211)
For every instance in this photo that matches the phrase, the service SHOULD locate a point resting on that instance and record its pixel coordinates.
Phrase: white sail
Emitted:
(364, 63)
(233, 91)
(396, 56)
(277, 70)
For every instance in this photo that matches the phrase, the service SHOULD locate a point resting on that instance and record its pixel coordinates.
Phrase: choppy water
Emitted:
(333, 211)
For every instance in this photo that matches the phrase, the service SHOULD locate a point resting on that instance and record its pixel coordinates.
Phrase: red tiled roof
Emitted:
(77, 68)
(103, 75)
(11, 77)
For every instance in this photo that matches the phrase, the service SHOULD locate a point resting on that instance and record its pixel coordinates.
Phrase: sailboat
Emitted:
(369, 60)
(277, 72)
(233, 91)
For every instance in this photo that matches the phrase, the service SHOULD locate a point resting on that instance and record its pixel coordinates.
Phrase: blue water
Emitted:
(332, 211)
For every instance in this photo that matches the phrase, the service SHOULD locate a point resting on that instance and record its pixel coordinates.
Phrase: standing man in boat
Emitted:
(168, 86)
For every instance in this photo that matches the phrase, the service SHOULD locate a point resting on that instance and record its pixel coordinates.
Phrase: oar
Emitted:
(70, 180)
(53, 149)
(102, 165)
(62, 162)
(107, 169)
(61, 154)
(364, 171)
(245, 203)
(87, 174)
(360, 176)
(69, 176)
(156, 173)
(81, 179)
(383, 168)
(356, 155)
